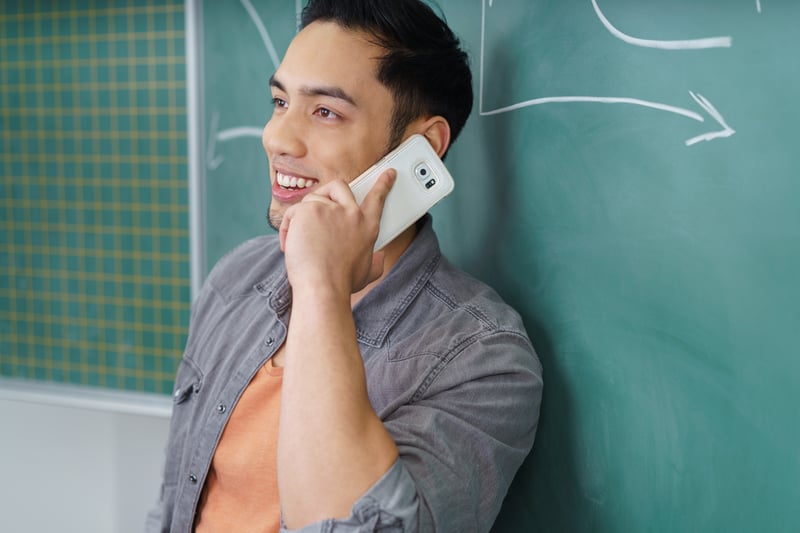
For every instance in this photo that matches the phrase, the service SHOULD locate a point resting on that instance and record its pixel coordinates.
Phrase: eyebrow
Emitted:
(323, 90)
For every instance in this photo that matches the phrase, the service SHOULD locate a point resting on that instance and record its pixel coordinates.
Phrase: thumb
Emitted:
(372, 206)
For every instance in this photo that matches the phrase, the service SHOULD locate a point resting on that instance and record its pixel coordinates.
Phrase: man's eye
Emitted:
(279, 102)
(324, 112)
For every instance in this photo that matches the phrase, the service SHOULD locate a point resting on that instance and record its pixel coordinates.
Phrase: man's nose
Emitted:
(283, 135)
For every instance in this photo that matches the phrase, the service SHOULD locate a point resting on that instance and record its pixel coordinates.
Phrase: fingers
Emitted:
(338, 193)
(320, 195)
(335, 191)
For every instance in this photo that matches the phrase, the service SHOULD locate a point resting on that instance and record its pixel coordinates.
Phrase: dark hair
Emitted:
(424, 66)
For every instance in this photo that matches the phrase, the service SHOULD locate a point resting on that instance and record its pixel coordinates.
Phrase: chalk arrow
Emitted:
(214, 161)
(726, 130)
(691, 44)
(703, 102)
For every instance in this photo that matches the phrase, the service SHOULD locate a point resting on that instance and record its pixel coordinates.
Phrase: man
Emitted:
(327, 386)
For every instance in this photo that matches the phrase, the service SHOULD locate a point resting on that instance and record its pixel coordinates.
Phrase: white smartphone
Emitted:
(422, 180)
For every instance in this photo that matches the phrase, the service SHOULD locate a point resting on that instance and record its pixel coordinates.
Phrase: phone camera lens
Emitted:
(423, 173)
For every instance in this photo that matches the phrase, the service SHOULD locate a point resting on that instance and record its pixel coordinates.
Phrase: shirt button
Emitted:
(192, 478)
(221, 408)
(270, 341)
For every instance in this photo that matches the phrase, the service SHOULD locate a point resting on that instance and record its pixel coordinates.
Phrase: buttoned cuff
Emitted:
(390, 505)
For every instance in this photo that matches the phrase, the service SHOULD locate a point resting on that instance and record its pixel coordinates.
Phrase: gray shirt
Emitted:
(450, 372)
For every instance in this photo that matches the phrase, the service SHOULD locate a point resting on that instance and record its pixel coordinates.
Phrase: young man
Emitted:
(338, 389)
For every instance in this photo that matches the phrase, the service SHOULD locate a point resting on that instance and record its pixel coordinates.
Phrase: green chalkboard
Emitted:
(629, 181)
(243, 42)
(94, 255)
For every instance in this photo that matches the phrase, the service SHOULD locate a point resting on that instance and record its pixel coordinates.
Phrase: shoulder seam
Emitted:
(455, 351)
(471, 309)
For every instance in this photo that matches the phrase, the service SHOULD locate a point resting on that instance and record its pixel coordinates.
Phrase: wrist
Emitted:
(321, 295)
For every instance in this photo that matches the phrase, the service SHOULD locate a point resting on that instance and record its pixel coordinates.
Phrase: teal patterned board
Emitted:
(94, 238)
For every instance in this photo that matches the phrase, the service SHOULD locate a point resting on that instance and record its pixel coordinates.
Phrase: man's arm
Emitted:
(332, 447)
(461, 440)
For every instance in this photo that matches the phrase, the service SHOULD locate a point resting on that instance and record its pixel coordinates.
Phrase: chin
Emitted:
(274, 218)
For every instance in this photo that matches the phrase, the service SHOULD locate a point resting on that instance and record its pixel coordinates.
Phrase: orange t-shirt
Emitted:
(241, 491)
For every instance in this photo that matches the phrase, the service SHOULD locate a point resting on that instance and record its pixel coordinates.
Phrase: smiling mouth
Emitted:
(293, 183)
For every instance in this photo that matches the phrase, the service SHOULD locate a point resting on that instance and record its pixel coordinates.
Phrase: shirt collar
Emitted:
(277, 289)
(378, 311)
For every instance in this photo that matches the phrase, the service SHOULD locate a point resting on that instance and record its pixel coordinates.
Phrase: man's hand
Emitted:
(328, 238)
(331, 445)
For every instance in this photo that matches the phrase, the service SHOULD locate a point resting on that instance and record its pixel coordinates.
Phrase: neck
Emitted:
(392, 253)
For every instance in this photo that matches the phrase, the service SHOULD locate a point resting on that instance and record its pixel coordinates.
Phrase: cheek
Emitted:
(337, 158)
(363, 150)
(354, 165)
(265, 136)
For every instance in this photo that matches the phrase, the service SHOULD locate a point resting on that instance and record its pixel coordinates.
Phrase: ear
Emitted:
(437, 131)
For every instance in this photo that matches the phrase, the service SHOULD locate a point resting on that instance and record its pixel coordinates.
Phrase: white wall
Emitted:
(78, 466)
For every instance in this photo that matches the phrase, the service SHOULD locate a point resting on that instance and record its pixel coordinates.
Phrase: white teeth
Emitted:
(293, 182)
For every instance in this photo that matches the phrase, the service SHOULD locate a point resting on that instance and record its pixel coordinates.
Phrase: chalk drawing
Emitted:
(262, 31)
(703, 102)
(213, 161)
(692, 44)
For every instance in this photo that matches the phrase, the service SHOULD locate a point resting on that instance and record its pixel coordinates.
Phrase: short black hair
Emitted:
(424, 66)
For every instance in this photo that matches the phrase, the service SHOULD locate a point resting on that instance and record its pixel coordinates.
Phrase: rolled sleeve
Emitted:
(390, 505)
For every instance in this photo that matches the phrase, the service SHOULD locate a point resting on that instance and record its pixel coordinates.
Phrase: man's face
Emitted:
(332, 115)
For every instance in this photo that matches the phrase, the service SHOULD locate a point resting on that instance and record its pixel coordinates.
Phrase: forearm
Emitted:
(332, 446)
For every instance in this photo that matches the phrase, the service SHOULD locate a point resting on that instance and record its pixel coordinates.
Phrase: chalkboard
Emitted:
(629, 181)
(243, 42)
(94, 256)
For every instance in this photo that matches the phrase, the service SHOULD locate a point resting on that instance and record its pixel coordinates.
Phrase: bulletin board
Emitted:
(94, 238)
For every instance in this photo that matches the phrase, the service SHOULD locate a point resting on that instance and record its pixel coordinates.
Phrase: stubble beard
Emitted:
(274, 218)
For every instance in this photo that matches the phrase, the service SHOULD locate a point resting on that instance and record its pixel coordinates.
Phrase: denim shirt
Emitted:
(450, 372)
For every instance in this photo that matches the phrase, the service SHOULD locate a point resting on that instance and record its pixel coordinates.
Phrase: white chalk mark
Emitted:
(237, 133)
(727, 131)
(212, 160)
(703, 102)
(692, 44)
(262, 30)
(758, 5)
(596, 99)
